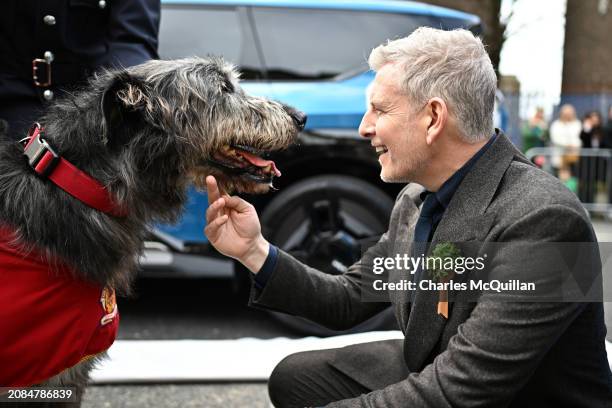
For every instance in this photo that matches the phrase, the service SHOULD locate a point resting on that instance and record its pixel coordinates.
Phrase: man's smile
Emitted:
(380, 150)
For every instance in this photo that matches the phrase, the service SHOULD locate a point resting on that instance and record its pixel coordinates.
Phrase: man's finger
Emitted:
(212, 189)
(213, 229)
(236, 203)
(214, 210)
(214, 194)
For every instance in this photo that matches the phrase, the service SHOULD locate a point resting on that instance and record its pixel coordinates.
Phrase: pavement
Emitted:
(603, 229)
(233, 395)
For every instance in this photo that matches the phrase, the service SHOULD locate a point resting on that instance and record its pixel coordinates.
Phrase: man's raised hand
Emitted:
(232, 227)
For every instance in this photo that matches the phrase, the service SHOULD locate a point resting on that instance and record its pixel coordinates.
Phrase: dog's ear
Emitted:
(122, 104)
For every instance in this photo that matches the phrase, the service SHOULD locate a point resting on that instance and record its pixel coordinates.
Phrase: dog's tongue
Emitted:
(259, 162)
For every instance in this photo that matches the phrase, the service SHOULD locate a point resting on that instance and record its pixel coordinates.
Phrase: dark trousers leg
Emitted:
(308, 380)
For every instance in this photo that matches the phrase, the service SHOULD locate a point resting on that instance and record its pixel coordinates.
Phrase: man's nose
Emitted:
(367, 127)
(299, 118)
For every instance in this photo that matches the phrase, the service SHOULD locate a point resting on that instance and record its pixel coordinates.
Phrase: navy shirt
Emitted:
(443, 196)
(266, 269)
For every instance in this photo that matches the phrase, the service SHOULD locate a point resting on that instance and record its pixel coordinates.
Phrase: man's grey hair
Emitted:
(452, 65)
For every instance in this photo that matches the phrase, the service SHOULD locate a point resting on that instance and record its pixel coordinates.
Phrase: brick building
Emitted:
(587, 58)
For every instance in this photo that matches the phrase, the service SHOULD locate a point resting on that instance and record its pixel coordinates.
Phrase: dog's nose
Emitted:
(298, 117)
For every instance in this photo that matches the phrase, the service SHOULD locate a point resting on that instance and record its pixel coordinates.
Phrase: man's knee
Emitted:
(283, 380)
(308, 379)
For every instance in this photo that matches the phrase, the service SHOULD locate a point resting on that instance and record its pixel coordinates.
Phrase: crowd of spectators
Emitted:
(584, 172)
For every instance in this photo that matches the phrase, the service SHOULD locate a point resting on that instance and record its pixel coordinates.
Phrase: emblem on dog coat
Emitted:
(109, 305)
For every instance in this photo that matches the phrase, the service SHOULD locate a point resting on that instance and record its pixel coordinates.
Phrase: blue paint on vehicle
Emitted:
(331, 104)
(191, 225)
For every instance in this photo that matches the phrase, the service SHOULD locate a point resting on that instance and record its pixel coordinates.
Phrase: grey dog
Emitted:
(144, 133)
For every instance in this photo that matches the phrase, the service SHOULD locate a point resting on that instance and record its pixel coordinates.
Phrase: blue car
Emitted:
(310, 55)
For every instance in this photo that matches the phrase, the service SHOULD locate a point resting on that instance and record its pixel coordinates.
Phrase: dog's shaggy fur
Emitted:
(146, 133)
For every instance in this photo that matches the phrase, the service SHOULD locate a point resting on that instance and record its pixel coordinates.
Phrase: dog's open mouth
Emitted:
(245, 161)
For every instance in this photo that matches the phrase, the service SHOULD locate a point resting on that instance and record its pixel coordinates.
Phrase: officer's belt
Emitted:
(62, 73)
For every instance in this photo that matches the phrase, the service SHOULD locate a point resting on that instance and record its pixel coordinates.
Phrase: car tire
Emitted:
(321, 221)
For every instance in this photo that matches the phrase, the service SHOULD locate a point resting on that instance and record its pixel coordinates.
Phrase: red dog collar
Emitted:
(47, 163)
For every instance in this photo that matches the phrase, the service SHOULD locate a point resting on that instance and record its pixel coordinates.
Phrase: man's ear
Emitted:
(122, 103)
(438, 115)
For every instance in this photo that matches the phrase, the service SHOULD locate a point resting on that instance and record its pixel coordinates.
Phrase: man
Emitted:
(50, 46)
(429, 118)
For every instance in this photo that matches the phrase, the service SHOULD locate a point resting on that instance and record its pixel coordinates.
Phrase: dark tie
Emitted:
(422, 232)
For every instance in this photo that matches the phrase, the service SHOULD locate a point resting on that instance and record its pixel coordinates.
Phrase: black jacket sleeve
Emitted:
(133, 32)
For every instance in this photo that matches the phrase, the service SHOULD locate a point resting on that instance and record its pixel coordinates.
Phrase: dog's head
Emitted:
(192, 118)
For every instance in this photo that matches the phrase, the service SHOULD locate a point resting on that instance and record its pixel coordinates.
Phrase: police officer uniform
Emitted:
(48, 47)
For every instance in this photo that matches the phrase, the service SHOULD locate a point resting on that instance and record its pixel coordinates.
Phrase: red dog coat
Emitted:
(49, 321)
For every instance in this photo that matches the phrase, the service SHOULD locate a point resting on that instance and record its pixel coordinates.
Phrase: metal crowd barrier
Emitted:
(587, 172)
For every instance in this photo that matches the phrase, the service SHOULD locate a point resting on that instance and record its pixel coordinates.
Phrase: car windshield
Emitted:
(192, 30)
(293, 44)
(322, 44)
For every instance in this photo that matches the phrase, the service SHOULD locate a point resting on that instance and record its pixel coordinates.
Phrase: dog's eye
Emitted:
(228, 86)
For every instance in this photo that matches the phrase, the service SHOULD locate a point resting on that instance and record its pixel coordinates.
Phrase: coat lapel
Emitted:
(464, 220)
(403, 245)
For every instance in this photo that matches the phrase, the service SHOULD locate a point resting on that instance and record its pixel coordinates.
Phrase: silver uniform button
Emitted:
(48, 94)
(102, 4)
(48, 55)
(49, 20)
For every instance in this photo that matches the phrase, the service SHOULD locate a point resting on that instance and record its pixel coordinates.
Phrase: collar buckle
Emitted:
(41, 156)
(48, 164)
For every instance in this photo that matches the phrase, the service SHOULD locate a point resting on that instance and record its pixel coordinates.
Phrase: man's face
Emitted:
(395, 128)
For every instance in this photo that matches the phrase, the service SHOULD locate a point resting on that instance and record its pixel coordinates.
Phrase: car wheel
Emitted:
(320, 221)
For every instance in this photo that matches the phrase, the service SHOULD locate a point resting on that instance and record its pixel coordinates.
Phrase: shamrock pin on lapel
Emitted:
(444, 255)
